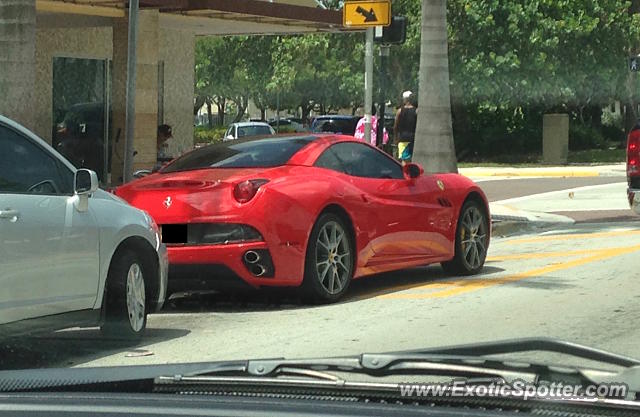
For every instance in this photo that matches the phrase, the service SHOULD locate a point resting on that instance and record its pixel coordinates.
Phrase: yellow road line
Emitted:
(574, 236)
(381, 293)
(463, 286)
(542, 255)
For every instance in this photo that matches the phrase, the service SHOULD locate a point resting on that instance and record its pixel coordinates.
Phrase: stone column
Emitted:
(146, 101)
(17, 60)
(555, 138)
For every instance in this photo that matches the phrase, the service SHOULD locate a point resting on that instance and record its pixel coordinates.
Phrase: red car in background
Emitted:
(309, 211)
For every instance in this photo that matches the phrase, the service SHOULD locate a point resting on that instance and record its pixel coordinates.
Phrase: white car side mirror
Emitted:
(85, 183)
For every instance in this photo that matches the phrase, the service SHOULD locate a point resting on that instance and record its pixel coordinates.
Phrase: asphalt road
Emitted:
(578, 283)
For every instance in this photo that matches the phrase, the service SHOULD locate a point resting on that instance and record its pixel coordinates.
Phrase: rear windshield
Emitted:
(251, 153)
(253, 131)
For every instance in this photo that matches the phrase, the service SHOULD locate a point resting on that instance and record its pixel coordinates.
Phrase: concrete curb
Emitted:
(506, 221)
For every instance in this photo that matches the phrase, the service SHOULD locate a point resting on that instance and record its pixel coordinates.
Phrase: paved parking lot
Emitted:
(576, 283)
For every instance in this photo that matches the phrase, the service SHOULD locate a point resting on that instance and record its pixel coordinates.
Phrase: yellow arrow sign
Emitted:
(366, 13)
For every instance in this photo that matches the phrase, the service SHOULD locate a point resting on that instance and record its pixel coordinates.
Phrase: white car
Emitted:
(244, 129)
(70, 253)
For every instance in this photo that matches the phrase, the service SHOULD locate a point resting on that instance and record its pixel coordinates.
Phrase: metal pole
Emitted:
(384, 53)
(278, 111)
(368, 84)
(132, 41)
(106, 177)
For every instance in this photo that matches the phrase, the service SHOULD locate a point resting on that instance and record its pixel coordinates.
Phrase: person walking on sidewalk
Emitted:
(359, 133)
(405, 127)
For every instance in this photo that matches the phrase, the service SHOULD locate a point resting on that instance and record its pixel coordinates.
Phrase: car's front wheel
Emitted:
(125, 302)
(329, 261)
(472, 237)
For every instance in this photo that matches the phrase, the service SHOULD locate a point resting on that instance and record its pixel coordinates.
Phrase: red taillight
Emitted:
(246, 190)
(633, 152)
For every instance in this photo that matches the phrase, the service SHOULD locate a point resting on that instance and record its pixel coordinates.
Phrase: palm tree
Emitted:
(433, 147)
(17, 59)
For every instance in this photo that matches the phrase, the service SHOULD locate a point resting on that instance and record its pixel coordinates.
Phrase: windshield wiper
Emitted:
(464, 361)
(469, 362)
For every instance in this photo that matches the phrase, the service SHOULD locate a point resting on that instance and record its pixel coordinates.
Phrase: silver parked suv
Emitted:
(70, 253)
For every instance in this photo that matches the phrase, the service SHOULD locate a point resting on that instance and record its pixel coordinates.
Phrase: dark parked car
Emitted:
(335, 123)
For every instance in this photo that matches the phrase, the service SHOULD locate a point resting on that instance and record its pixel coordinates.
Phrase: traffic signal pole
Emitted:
(384, 54)
(368, 84)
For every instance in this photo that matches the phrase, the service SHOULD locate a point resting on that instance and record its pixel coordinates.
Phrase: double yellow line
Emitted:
(449, 288)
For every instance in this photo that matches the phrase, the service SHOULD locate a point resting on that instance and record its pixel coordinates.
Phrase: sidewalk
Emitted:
(552, 208)
(546, 171)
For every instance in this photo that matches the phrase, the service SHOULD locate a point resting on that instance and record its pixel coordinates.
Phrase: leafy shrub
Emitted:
(204, 135)
(612, 119)
(585, 137)
(286, 129)
(613, 133)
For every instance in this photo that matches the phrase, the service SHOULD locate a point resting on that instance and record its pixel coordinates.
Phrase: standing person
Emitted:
(359, 133)
(164, 134)
(405, 127)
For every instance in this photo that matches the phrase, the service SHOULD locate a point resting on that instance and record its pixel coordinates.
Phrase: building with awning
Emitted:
(63, 67)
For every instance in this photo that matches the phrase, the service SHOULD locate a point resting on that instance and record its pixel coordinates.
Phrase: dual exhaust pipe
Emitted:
(252, 257)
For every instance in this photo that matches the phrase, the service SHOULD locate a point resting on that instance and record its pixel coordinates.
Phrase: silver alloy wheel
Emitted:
(333, 257)
(135, 297)
(473, 238)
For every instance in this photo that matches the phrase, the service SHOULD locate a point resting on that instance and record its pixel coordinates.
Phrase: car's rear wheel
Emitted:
(472, 235)
(329, 261)
(125, 302)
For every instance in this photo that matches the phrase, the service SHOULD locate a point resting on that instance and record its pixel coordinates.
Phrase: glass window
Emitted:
(80, 95)
(27, 168)
(252, 153)
(359, 160)
(253, 131)
(345, 126)
(329, 160)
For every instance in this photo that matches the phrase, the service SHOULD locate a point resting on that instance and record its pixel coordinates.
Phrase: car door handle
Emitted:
(9, 214)
(364, 198)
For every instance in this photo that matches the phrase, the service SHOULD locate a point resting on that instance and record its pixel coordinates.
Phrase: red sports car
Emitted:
(308, 211)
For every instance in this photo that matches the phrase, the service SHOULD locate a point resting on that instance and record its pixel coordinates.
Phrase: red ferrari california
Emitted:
(312, 212)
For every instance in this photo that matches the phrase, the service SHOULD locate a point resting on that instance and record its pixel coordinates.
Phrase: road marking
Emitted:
(542, 255)
(573, 236)
(461, 286)
(390, 290)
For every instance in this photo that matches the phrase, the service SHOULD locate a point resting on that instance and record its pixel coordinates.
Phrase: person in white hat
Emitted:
(404, 127)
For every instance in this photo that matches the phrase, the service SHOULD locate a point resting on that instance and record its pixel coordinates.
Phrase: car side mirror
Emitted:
(85, 182)
(230, 137)
(412, 170)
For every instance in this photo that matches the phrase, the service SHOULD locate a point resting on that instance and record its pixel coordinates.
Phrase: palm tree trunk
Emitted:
(434, 147)
(17, 59)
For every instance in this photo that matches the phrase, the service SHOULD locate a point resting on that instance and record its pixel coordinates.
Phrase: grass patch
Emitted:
(598, 156)
(610, 155)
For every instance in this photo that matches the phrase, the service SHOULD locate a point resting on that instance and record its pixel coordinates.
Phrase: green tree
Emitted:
(322, 72)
